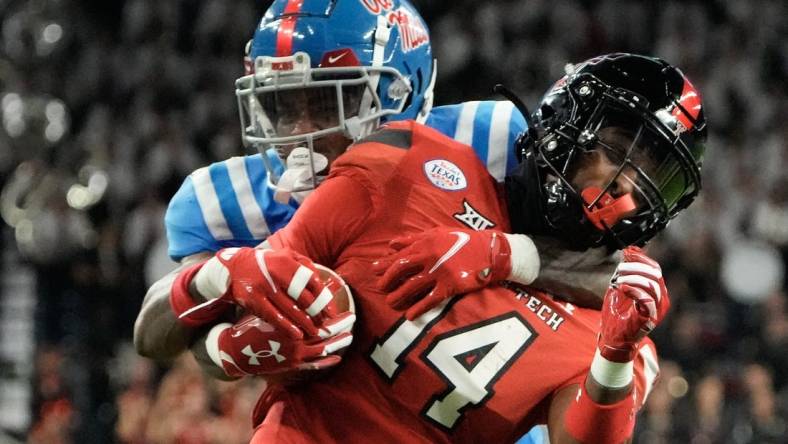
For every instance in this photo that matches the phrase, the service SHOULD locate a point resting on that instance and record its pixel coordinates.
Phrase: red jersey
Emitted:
(480, 368)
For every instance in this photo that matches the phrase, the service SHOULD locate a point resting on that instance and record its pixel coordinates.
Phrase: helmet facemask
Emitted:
(291, 109)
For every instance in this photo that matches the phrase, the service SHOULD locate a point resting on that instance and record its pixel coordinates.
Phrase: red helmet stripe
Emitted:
(690, 101)
(284, 37)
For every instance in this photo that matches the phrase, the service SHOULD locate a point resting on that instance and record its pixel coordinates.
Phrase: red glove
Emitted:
(635, 303)
(254, 347)
(280, 286)
(440, 263)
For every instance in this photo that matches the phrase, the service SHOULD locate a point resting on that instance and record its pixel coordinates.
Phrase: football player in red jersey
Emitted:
(614, 155)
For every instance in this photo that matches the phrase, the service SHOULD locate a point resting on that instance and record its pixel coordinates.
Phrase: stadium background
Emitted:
(106, 106)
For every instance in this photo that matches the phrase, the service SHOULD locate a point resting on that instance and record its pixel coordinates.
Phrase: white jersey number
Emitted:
(470, 359)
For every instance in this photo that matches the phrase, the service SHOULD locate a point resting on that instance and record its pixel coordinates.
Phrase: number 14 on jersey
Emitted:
(470, 359)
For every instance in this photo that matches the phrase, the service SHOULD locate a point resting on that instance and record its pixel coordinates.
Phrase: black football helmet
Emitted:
(660, 115)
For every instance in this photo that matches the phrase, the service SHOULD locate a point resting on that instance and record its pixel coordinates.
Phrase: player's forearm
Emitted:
(157, 332)
(603, 410)
(595, 414)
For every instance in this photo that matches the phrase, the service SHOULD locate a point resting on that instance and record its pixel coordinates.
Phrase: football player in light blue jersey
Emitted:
(318, 76)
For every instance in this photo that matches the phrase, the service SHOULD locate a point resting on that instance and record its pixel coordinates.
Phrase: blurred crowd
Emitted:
(133, 95)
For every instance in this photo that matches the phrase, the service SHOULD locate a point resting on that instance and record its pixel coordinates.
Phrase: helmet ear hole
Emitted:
(414, 90)
(546, 112)
(524, 143)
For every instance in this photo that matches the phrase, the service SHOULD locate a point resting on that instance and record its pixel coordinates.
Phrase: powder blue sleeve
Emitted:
(227, 204)
(490, 127)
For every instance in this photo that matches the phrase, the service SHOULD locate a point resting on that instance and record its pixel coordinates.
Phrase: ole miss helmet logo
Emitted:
(413, 33)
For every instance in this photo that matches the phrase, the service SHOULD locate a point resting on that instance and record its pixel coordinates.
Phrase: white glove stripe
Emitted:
(299, 281)
(345, 325)
(462, 239)
(198, 307)
(337, 345)
(213, 279)
(320, 303)
(647, 300)
(639, 267)
(260, 256)
(643, 282)
(212, 343)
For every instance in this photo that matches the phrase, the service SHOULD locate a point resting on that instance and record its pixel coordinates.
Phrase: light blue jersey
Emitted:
(229, 203)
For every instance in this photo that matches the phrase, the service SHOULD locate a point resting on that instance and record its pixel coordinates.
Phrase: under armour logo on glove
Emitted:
(254, 357)
(242, 347)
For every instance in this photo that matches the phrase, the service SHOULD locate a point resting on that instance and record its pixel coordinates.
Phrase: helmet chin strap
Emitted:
(421, 117)
(299, 180)
(382, 35)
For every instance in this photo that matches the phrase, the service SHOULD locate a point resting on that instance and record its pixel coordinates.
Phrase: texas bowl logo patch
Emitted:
(445, 175)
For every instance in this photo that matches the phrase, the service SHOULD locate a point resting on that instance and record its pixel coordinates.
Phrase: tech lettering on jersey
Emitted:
(543, 312)
(473, 218)
(445, 175)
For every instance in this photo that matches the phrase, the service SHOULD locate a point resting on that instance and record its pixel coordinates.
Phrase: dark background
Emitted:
(107, 106)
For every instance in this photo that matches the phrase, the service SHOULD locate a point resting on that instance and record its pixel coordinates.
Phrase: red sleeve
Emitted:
(646, 371)
(329, 219)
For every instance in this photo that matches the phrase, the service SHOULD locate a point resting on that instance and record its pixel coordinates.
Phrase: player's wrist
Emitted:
(190, 311)
(523, 259)
(611, 374)
(619, 352)
(211, 281)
